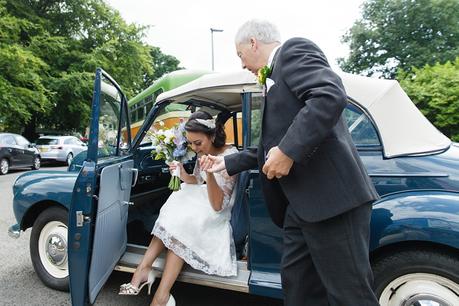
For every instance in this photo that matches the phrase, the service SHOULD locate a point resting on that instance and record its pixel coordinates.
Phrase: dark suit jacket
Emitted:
(302, 116)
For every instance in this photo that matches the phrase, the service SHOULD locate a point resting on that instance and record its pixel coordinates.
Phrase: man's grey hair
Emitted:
(262, 30)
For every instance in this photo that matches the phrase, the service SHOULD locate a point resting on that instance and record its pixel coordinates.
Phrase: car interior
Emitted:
(151, 191)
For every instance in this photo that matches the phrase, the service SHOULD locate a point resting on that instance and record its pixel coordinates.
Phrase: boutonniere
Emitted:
(263, 74)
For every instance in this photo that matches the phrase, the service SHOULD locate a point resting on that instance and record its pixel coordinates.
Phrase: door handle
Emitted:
(135, 172)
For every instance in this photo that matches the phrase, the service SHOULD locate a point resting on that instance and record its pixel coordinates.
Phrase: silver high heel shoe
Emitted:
(129, 289)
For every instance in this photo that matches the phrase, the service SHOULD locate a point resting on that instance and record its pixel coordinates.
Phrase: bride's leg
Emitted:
(141, 272)
(172, 269)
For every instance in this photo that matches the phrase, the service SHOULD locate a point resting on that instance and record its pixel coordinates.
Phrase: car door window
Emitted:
(255, 119)
(22, 141)
(362, 130)
(111, 122)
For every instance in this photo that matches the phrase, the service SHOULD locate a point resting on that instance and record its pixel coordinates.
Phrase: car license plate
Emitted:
(43, 149)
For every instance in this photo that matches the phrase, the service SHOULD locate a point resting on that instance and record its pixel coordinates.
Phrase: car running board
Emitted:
(134, 254)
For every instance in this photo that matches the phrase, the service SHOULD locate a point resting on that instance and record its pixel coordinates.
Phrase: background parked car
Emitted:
(60, 148)
(17, 152)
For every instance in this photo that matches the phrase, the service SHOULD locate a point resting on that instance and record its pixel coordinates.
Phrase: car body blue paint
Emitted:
(424, 215)
(38, 186)
(266, 284)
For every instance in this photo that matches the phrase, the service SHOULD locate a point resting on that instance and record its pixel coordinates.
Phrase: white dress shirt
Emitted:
(271, 56)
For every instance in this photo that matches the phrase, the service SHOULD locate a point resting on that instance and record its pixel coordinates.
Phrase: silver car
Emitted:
(59, 148)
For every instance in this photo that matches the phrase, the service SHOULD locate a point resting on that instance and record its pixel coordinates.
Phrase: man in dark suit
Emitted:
(314, 183)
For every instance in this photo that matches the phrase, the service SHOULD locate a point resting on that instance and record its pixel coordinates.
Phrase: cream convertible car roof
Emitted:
(402, 127)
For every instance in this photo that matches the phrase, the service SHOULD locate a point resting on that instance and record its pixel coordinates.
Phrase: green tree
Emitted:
(394, 34)
(22, 90)
(52, 49)
(161, 64)
(434, 89)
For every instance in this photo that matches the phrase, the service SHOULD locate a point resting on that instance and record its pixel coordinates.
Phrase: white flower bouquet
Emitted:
(171, 145)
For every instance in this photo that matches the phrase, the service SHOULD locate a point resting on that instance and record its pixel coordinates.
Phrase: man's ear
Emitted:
(253, 43)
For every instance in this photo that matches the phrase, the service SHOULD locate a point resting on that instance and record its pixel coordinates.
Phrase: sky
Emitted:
(182, 28)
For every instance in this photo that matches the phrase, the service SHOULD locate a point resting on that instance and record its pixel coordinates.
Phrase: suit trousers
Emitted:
(327, 262)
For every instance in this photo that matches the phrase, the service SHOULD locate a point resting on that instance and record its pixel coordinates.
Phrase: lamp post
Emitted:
(212, 30)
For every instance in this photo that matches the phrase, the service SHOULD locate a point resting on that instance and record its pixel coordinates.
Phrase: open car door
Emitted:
(99, 207)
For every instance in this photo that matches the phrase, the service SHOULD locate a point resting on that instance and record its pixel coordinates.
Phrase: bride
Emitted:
(194, 223)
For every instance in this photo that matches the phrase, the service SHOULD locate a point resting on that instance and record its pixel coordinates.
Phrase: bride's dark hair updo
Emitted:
(217, 133)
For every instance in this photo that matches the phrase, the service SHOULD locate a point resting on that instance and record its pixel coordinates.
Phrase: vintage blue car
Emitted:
(96, 216)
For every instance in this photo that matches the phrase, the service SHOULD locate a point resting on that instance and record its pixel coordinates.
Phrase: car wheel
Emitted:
(415, 278)
(69, 159)
(36, 163)
(4, 166)
(48, 248)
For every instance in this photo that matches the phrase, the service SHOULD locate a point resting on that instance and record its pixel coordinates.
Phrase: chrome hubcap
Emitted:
(56, 249)
(69, 159)
(426, 300)
(52, 248)
(420, 289)
(37, 163)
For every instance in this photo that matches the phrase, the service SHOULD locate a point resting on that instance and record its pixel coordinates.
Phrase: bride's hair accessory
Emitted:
(209, 123)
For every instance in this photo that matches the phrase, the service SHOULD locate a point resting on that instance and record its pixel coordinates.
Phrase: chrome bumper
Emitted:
(14, 231)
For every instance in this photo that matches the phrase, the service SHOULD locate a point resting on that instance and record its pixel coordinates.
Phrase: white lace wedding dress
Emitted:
(193, 230)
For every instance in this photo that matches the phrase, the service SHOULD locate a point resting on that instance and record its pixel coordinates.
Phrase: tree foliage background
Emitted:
(394, 34)
(435, 90)
(49, 51)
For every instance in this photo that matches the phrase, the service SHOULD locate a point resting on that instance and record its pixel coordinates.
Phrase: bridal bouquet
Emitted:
(171, 145)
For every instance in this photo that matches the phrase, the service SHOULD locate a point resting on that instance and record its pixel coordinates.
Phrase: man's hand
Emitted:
(277, 164)
(212, 163)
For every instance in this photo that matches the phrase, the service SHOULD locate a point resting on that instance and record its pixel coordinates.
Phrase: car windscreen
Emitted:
(47, 141)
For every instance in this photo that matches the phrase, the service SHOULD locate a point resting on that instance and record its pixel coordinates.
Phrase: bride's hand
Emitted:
(174, 166)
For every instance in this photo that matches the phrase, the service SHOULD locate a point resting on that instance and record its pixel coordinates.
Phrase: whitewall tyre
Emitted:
(48, 248)
(417, 278)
